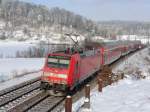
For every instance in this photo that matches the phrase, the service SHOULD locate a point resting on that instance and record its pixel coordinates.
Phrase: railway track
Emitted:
(27, 97)
(13, 97)
(39, 101)
(14, 103)
(11, 89)
(10, 96)
(28, 102)
(47, 105)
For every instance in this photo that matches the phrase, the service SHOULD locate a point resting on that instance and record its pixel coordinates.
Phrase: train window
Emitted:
(53, 60)
(64, 61)
(98, 51)
(56, 62)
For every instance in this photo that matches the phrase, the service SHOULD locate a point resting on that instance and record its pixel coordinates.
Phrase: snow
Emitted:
(101, 39)
(128, 95)
(139, 62)
(9, 48)
(12, 67)
(143, 39)
(19, 80)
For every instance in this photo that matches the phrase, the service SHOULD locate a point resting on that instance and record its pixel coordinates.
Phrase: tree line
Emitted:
(17, 13)
(26, 16)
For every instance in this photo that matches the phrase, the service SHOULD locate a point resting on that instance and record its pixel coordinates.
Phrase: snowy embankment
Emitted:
(14, 67)
(136, 65)
(129, 95)
(126, 96)
(19, 80)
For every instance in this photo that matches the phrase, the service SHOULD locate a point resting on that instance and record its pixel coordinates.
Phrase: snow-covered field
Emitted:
(9, 48)
(12, 67)
(129, 95)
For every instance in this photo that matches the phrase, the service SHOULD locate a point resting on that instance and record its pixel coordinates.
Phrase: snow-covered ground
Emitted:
(129, 95)
(19, 80)
(126, 96)
(12, 70)
(12, 67)
(9, 48)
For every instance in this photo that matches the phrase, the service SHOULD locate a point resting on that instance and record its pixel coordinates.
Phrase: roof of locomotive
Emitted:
(60, 54)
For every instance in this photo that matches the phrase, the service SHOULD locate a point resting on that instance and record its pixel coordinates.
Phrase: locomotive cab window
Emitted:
(58, 62)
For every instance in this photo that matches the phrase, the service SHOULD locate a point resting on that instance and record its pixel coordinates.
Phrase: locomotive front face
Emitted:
(57, 69)
(55, 73)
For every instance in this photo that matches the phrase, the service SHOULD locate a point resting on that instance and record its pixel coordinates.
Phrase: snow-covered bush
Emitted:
(1, 55)
(14, 73)
(24, 71)
(3, 77)
(149, 51)
(147, 59)
(17, 73)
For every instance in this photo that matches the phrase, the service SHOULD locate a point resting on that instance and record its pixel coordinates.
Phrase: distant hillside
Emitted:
(124, 28)
(18, 15)
(22, 21)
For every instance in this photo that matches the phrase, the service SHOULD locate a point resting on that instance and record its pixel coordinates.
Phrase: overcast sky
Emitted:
(104, 10)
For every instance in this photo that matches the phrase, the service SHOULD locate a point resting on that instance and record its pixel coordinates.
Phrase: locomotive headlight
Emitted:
(51, 74)
(62, 76)
(55, 75)
(47, 74)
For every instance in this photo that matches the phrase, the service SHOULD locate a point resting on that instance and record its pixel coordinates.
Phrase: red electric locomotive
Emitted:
(63, 71)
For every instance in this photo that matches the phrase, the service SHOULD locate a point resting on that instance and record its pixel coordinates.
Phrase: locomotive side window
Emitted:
(58, 62)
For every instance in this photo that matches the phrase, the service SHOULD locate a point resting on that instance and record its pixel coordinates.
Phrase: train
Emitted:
(65, 70)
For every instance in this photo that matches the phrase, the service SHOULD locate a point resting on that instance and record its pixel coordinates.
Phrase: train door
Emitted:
(106, 57)
(76, 73)
(101, 56)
